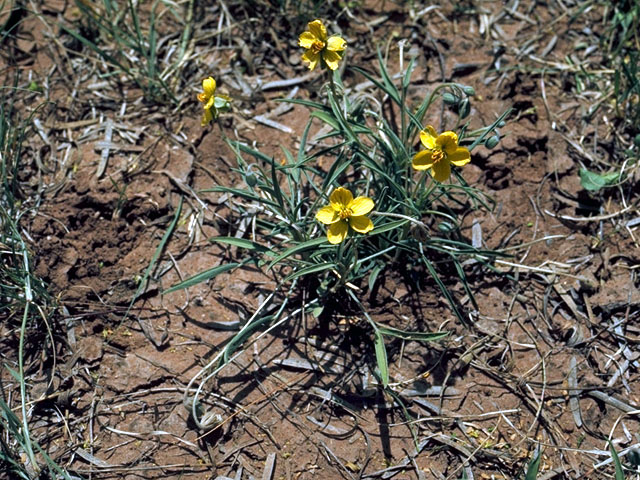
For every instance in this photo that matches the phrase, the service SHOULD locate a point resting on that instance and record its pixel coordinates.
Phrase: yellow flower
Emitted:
(320, 47)
(213, 104)
(441, 151)
(345, 211)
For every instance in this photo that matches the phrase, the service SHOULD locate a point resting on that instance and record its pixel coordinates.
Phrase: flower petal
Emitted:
(441, 170)
(318, 30)
(206, 117)
(209, 86)
(306, 39)
(460, 157)
(422, 160)
(336, 44)
(428, 137)
(337, 232)
(361, 206)
(311, 57)
(361, 224)
(327, 215)
(340, 199)
(332, 59)
(210, 102)
(448, 141)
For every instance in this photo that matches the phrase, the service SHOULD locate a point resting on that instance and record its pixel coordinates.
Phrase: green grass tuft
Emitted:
(25, 306)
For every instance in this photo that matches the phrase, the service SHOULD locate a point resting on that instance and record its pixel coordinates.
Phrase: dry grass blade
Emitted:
(574, 404)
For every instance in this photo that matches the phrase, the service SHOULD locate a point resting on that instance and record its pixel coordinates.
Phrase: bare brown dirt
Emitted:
(113, 404)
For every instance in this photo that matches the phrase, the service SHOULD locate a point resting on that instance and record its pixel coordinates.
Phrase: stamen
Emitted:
(345, 213)
(437, 155)
(317, 46)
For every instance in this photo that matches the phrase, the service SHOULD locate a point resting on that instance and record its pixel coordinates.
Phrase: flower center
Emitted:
(317, 46)
(437, 155)
(345, 213)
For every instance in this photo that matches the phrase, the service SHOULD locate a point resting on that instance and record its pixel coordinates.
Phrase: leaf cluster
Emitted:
(116, 34)
(365, 142)
(25, 303)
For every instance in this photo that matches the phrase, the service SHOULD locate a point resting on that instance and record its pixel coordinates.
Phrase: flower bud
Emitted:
(491, 142)
(468, 90)
(450, 99)
(446, 227)
(251, 179)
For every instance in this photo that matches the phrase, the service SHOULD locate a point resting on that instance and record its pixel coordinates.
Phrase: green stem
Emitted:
(342, 114)
(224, 135)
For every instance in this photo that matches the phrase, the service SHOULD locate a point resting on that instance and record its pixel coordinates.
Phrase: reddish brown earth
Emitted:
(112, 406)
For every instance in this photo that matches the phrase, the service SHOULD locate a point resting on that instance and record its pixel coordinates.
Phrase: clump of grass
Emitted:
(25, 307)
(620, 46)
(115, 31)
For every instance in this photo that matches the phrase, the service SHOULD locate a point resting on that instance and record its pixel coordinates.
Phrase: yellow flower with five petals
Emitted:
(319, 46)
(343, 212)
(213, 104)
(441, 151)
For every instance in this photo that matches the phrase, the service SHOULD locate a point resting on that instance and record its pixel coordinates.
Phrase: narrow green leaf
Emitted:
(393, 94)
(443, 288)
(302, 156)
(254, 153)
(389, 86)
(409, 419)
(13, 373)
(373, 276)
(490, 129)
(276, 186)
(344, 128)
(381, 358)
(594, 181)
(241, 243)
(306, 103)
(152, 41)
(399, 191)
(534, 465)
(240, 337)
(309, 270)
(465, 284)
(309, 244)
(202, 277)
(407, 75)
(387, 227)
(377, 83)
(335, 171)
(616, 462)
(327, 118)
(420, 336)
(241, 193)
(145, 278)
(94, 47)
(422, 109)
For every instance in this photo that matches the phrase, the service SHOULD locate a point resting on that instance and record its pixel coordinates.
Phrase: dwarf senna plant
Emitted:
(350, 206)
